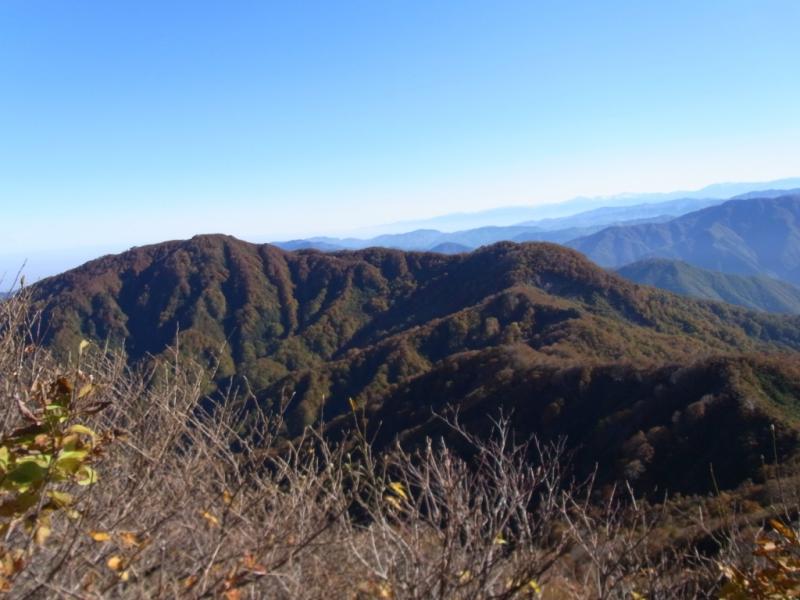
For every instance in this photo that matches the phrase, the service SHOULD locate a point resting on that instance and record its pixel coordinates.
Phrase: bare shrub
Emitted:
(198, 496)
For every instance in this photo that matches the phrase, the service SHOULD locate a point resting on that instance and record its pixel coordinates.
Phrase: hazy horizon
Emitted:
(44, 262)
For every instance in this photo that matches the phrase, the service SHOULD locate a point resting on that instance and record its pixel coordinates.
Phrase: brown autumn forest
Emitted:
(658, 434)
(535, 329)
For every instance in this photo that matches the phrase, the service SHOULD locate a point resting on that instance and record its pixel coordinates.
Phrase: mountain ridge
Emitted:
(754, 292)
(402, 333)
(559, 229)
(759, 236)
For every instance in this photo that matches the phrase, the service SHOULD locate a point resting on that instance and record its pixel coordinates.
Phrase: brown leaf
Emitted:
(129, 539)
(233, 594)
(26, 412)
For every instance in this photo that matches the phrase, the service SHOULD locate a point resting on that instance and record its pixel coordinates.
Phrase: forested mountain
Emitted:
(756, 292)
(404, 332)
(450, 248)
(759, 236)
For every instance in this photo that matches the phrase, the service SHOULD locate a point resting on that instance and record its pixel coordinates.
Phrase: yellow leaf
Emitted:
(227, 497)
(70, 461)
(353, 405)
(42, 533)
(85, 390)
(86, 475)
(124, 576)
(499, 540)
(115, 563)
(393, 501)
(82, 430)
(214, 521)
(82, 346)
(398, 489)
(99, 536)
(538, 590)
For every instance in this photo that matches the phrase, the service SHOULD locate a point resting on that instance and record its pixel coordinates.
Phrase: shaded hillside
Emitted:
(756, 292)
(450, 248)
(358, 324)
(747, 237)
(661, 428)
(772, 193)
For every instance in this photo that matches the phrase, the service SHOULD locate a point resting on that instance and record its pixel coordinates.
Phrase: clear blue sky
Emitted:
(127, 122)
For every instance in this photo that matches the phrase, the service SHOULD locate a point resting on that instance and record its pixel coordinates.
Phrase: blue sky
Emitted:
(130, 122)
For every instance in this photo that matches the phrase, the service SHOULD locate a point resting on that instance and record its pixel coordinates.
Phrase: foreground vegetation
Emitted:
(118, 482)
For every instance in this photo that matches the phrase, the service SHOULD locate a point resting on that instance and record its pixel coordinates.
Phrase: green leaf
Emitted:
(5, 456)
(26, 474)
(43, 460)
(17, 506)
(60, 499)
(71, 460)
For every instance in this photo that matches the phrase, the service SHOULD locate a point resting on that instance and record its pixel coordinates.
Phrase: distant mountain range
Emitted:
(558, 222)
(559, 230)
(535, 329)
(548, 230)
(756, 292)
(758, 236)
(733, 251)
(513, 215)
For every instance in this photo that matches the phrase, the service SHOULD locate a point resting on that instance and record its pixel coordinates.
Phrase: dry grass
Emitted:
(199, 497)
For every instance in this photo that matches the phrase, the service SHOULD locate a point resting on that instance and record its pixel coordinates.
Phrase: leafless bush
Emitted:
(198, 497)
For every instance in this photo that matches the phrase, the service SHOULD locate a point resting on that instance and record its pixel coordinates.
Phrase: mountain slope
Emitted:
(214, 283)
(758, 236)
(660, 428)
(755, 292)
(400, 333)
(450, 248)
